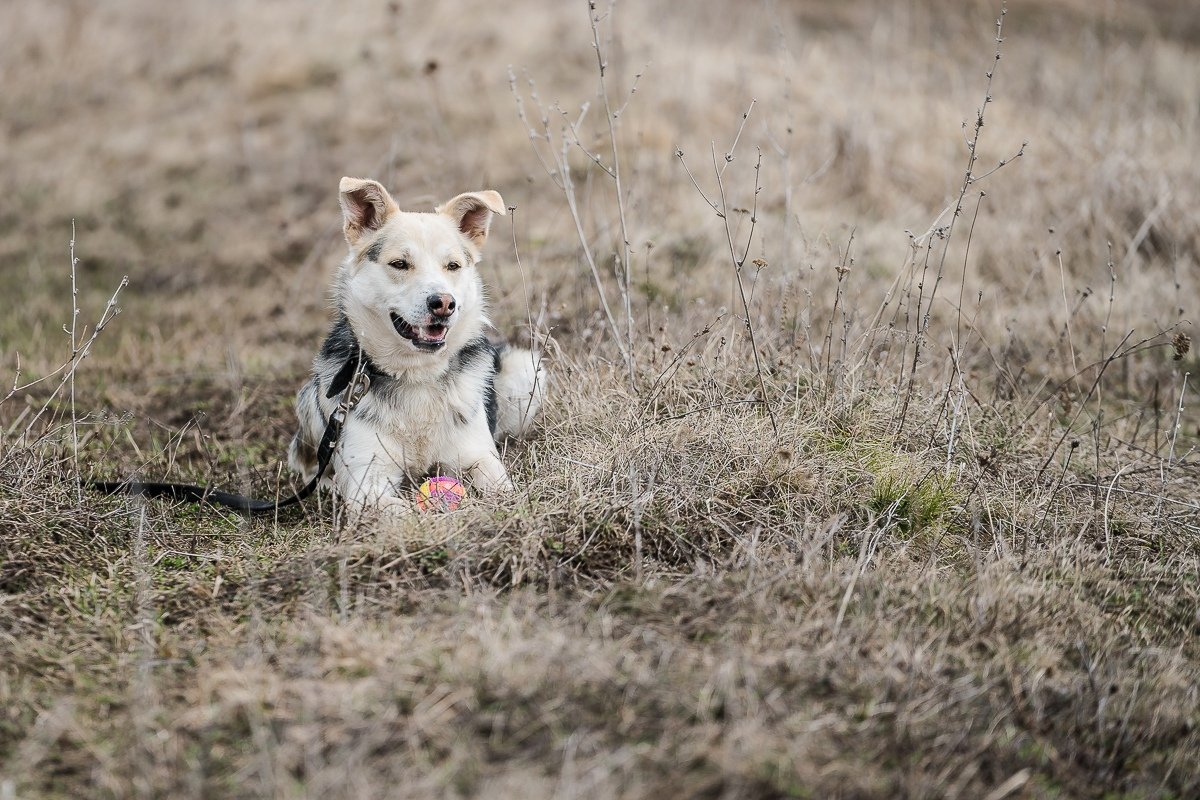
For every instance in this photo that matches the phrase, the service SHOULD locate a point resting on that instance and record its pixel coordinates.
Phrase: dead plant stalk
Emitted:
(559, 172)
(80, 350)
(947, 233)
(626, 266)
(721, 209)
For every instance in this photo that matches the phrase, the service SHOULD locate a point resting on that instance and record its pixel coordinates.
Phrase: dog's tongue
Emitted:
(433, 333)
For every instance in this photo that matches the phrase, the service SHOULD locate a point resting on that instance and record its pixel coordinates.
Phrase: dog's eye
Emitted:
(399, 263)
(454, 266)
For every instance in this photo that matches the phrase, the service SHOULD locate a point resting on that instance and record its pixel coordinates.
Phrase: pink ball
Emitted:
(440, 493)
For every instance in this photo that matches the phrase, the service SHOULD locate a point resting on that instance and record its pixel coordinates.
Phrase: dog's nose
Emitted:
(440, 305)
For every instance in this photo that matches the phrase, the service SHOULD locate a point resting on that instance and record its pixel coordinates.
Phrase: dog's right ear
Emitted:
(366, 205)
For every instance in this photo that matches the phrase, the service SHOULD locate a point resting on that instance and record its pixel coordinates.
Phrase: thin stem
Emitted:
(74, 355)
(737, 137)
(948, 233)
(83, 351)
(625, 278)
(963, 284)
(1174, 436)
(737, 272)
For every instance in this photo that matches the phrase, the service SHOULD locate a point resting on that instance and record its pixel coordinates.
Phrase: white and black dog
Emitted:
(411, 308)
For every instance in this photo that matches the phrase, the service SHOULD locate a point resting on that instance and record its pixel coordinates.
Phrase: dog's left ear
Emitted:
(472, 213)
(366, 205)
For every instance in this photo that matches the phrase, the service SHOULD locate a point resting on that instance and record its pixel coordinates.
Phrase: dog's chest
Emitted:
(423, 423)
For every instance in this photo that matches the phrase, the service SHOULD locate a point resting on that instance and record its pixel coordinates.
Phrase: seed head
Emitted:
(1182, 343)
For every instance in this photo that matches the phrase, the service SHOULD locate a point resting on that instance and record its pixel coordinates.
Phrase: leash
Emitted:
(352, 380)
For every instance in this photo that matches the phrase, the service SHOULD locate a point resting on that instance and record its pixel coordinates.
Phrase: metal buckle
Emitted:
(357, 390)
(353, 393)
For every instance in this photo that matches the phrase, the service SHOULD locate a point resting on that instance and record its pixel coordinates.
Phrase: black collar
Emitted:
(356, 357)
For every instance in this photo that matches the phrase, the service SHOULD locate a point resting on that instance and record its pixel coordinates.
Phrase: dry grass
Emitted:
(960, 561)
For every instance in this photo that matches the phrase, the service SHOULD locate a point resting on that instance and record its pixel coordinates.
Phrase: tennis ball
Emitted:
(440, 493)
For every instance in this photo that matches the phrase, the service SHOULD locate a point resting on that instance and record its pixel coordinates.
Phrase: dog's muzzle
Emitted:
(430, 337)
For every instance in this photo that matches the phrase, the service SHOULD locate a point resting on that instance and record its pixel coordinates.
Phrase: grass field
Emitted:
(847, 494)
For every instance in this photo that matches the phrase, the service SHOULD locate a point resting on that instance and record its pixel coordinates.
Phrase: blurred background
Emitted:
(197, 147)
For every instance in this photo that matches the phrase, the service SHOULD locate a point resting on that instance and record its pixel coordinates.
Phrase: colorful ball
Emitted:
(440, 493)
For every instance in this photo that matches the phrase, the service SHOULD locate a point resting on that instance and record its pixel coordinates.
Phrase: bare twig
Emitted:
(721, 208)
(82, 352)
(947, 234)
(624, 278)
(74, 355)
(1163, 469)
(558, 168)
(843, 269)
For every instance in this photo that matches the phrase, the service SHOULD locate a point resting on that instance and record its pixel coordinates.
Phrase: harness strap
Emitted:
(353, 380)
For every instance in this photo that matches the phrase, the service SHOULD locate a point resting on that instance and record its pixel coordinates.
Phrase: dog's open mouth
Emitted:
(425, 337)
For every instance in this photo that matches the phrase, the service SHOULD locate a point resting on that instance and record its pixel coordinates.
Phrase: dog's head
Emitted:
(409, 285)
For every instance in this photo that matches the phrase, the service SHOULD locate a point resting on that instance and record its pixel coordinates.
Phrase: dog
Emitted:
(411, 308)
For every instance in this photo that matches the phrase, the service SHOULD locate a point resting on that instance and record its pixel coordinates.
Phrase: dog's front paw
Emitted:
(489, 477)
(495, 486)
(361, 512)
(399, 507)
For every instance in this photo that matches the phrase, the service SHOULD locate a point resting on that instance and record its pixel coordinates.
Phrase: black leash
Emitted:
(352, 380)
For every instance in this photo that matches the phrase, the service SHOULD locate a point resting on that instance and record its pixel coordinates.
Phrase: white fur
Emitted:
(371, 291)
(373, 462)
(520, 391)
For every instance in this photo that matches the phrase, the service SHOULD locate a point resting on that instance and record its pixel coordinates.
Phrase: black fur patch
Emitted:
(479, 352)
(373, 252)
(340, 342)
(489, 402)
(341, 347)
